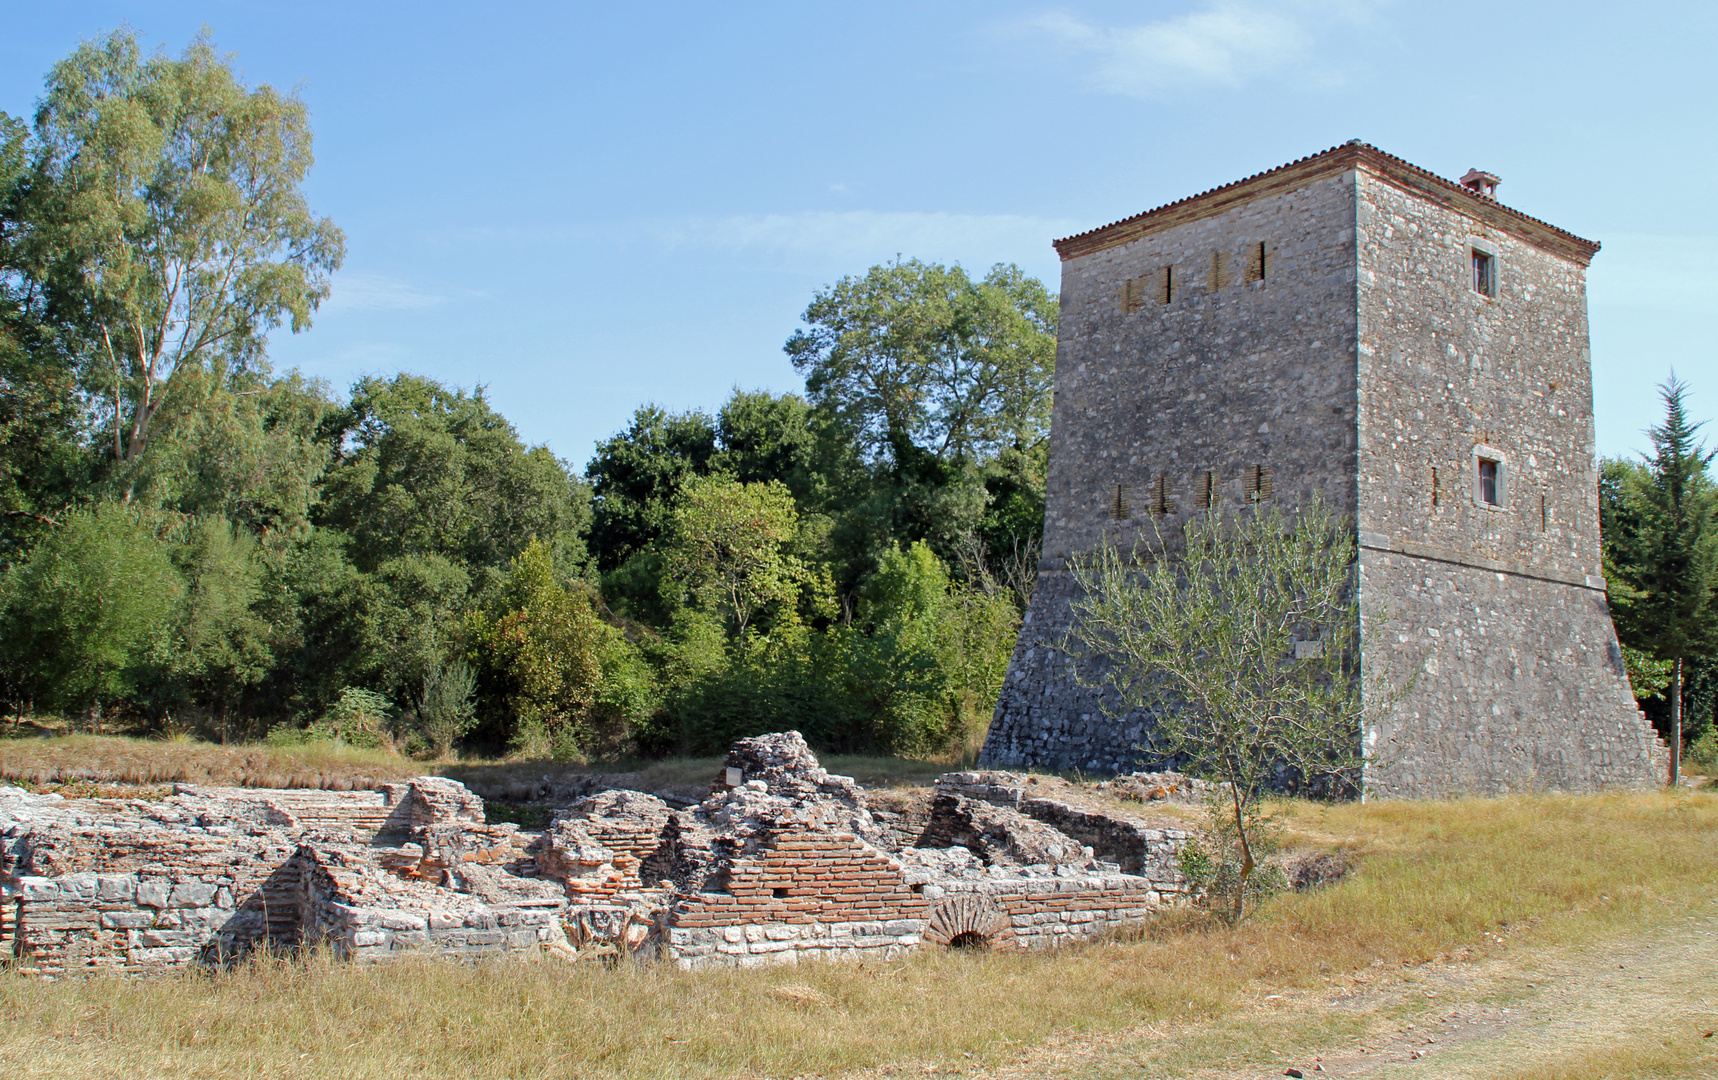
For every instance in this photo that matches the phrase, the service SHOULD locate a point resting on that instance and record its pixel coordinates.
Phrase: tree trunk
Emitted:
(1676, 722)
(1246, 851)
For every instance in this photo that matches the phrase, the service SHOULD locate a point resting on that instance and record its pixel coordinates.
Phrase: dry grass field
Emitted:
(1456, 888)
(79, 763)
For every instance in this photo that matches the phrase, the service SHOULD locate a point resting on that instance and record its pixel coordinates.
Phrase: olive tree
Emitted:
(1244, 642)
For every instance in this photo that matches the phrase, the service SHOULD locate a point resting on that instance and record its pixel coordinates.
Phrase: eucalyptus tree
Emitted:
(164, 223)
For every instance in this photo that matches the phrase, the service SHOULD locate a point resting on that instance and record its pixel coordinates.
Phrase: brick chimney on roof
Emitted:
(1481, 183)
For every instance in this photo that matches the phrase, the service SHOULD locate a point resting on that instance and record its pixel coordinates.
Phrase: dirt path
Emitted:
(1644, 1005)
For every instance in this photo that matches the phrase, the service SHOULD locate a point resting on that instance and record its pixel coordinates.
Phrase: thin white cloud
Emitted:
(1226, 43)
(376, 292)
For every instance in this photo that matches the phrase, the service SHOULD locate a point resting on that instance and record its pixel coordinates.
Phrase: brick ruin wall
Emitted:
(1521, 684)
(1227, 375)
(93, 884)
(1361, 362)
(787, 867)
(807, 892)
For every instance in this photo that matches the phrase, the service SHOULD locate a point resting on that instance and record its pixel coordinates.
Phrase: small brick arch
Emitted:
(969, 920)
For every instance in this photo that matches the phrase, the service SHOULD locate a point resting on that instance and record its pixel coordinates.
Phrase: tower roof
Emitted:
(1350, 155)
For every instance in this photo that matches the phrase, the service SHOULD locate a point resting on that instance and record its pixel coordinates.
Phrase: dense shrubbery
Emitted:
(192, 544)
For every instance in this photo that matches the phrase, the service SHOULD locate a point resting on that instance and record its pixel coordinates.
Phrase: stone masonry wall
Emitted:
(785, 866)
(1502, 608)
(1139, 848)
(1366, 366)
(1229, 375)
(140, 886)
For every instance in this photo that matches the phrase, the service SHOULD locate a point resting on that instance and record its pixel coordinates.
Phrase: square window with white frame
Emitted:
(1484, 273)
(1490, 478)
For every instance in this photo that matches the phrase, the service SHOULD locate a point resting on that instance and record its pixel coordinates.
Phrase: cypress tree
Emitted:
(1665, 568)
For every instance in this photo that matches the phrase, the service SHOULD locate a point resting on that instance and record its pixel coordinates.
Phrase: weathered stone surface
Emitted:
(1355, 359)
(789, 864)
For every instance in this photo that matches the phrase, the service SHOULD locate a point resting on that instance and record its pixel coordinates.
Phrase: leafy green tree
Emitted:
(91, 614)
(729, 547)
(317, 598)
(1244, 643)
(248, 449)
(222, 644)
(166, 225)
(424, 470)
(980, 623)
(41, 415)
(891, 658)
(360, 718)
(409, 619)
(944, 382)
(918, 359)
(1661, 549)
(447, 706)
(762, 437)
(636, 476)
(546, 649)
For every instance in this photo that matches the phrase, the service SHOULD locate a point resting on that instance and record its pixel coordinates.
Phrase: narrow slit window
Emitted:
(1132, 295)
(1256, 262)
(1544, 515)
(1258, 483)
(1204, 490)
(1160, 500)
(1118, 504)
(1490, 490)
(1166, 285)
(1434, 485)
(1484, 273)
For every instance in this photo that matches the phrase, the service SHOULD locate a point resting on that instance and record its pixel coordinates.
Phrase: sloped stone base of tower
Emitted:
(1520, 685)
(1045, 718)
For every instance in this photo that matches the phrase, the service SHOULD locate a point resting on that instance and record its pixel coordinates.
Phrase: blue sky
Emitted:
(589, 206)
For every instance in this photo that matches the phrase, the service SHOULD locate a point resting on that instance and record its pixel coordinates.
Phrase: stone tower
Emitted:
(1416, 352)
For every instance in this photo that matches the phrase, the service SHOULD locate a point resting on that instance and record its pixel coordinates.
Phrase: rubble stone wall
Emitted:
(1501, 608)
(1151, 851)
(785, 866)
(347, 910)
(208, 874)
(1364, 357)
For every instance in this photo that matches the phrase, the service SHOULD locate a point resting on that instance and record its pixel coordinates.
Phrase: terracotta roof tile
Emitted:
(1353, 152)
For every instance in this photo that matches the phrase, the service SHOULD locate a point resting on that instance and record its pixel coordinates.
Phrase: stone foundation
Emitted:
(787, 864)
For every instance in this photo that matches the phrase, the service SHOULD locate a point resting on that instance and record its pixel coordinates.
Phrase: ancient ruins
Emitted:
(782, 861)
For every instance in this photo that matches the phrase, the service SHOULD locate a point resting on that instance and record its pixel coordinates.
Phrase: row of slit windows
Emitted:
(1159, 496)
(1258, 483)
(1164, 284)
